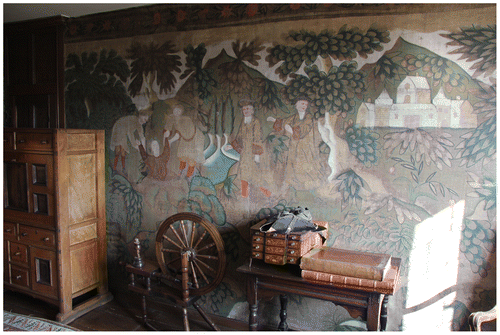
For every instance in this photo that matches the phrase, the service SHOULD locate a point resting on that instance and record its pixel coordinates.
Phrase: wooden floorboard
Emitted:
(123, 313)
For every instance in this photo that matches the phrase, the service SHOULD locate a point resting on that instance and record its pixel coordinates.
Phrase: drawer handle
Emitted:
(292, 244)
(8, 230)
(257, 247)
(44, 142)
(292, 260)
(257, 255)
(24, 234)
(17, 254)
(292, 252)
(257, 239)
(46, 239)
(18, 277)
(275, 234)
(21, 141)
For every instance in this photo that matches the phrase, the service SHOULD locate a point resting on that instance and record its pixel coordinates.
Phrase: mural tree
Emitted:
(476, 44)
(204, 81)
(331, 92)
(152, 63)
(344, 46)
(92, 80)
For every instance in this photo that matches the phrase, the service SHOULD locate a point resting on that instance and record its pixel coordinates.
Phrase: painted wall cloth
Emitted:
(382, 122)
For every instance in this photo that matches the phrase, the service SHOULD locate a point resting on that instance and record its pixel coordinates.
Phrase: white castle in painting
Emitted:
(414, 108)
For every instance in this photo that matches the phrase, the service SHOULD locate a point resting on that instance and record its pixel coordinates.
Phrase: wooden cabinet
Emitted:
(34, 73)
(54, 217)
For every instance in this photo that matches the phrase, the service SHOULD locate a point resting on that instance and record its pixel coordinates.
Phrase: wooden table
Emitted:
(359, 299)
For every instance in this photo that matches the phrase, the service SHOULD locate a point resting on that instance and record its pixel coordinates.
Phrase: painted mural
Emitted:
(386, 132)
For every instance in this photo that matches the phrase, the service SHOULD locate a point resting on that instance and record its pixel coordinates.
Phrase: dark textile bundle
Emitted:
(295, 220)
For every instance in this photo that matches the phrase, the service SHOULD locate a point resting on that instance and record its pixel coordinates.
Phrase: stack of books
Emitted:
(349, 269)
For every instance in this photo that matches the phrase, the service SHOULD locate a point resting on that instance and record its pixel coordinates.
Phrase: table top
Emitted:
(292, 273)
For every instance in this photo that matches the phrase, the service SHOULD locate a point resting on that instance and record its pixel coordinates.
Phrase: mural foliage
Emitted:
(372, 130)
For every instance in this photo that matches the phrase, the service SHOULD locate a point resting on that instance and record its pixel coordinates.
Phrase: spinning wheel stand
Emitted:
(190, 263)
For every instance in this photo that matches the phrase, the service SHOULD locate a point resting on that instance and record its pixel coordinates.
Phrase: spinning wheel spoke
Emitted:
(178, 237)
(206, 247)
(183, 230)
(171, 250)
(201, 272)
(195, 279)
(206, 266)
(170, 240)
(209, 257)
(200, 239)
(192, 234)
(173, 260)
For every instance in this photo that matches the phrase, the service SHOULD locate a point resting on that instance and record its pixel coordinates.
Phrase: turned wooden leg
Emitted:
(383, 313)
(284, 301)
(252, 302)
(144, 310)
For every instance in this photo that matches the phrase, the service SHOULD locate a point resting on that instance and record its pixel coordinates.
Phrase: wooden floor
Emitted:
(122, 313)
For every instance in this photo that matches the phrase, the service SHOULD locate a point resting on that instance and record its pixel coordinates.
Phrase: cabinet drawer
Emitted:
(19, 276)
(18, 253)
(30, 141)
(257, 254)
(9, 230)
(37, 236)
(258, 238)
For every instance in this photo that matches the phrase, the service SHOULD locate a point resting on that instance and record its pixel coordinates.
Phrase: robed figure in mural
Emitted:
(127, 133)
(190, 140)
(248, 142)
(303, 168)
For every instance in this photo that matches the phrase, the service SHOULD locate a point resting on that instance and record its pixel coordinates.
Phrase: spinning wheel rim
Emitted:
(190, 246)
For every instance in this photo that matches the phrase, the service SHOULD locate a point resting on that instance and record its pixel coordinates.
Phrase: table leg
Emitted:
(383, 313)
(252, 302)
(284, 301)
(373, 315)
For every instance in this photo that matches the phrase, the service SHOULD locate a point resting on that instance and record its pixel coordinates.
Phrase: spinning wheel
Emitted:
(187, 235)
(190, 255)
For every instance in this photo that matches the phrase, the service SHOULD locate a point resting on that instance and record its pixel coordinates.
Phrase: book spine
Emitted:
(348, 282)
(341, 269)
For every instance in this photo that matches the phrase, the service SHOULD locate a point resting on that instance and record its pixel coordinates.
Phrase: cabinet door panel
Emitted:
(16, 182)
(43, 271)
(45, 48)
(29, 184)
(19, 65)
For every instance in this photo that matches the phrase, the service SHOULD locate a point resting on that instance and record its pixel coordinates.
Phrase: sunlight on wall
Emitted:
(433, 271)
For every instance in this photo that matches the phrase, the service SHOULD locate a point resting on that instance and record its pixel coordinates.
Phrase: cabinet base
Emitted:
(84, 308)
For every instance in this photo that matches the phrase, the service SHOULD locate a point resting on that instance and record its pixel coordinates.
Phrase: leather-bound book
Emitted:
(386, 286)
(350, 263)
